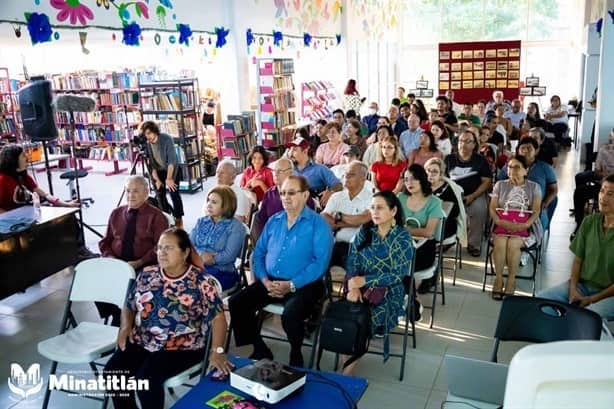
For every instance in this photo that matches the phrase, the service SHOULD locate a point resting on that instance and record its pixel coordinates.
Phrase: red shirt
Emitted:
(150, 224)
(387, 176)
(15, 193)
(264, 173)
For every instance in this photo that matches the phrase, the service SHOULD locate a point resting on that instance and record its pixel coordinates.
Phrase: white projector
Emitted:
(267, 380)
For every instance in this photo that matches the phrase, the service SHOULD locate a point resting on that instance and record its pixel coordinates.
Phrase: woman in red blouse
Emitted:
(386, 172)
(258, 177)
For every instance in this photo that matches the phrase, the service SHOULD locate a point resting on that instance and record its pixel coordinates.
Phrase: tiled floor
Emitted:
(464, 326)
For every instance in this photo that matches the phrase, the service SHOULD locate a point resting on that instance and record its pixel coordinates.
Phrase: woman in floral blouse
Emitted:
(219, 235)
(169, 312)
(380, 256)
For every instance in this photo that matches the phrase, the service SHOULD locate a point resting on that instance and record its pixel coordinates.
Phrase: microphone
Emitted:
(74, 103)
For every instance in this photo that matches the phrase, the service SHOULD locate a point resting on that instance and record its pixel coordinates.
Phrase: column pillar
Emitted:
(605, 97)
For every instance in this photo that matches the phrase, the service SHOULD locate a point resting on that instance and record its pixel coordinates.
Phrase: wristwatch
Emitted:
(292, 287)
(218, 350)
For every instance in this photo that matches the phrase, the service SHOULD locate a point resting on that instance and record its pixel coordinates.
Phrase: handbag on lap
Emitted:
(513, 215)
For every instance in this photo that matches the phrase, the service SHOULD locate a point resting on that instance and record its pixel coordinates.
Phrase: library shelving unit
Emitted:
(276, 101)
(318, 100)
(106, 133)
(172, 104)
(236, 137)
(8, 121)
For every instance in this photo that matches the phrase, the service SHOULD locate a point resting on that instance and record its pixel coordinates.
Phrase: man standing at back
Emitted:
(164, 169)
(290, 259)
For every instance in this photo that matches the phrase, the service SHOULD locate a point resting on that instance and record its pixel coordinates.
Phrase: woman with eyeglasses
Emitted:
(218, 236)
(423, 213)
(170, 310)
(517, 193)
(386, 172)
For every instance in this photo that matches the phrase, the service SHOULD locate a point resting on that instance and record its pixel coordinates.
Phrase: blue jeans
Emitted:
(227, 279)
(605, 307)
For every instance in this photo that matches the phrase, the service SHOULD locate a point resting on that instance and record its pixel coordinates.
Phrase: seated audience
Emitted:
(354, 138)
(399, 123)
(499, 119)
(454, 106)
(498, 99)
(226, 174)
(447, 115)
(329, 153)
(515, 193)
(426, 150)
(481, 110)
(380, 256)
(271, 203)
(386, 172)
(470, 170)
(516, 117)
(339, 117)
(371, 154)
(132, 233)
(592, 274)
(290, 259)
(487, 149)
(257, 177)
(447, 191)
(442, 137)
(540, 173)
(468, 115)
(423, 213)
(533, 116)
(371, 119)
(318, 137)
(588, 183)
(382, 121)
(347, 210)
(352, 154)
(218, 236)
(556, 115)
(321, 180)
(405, 110)
(547, 149)
(169, 312)
(16, 186)
(410, 138)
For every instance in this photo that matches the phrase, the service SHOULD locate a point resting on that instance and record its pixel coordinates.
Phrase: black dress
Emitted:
(446, 194)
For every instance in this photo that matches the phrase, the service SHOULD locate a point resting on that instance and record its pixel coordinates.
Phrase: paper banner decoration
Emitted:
(83, 40)
(221, 34)
(38, 27)
(306, 39)
(185, 33)
(132, 33)
(278, 37)
(249, 37)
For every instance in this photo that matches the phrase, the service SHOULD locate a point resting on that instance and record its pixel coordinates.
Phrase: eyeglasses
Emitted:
(281, 170)
(289, 193)
(165, 249)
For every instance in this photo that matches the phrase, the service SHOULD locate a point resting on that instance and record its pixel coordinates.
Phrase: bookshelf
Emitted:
(318, 100)
(276, 101)
(172, 104)
(236, 137)
(9, 130)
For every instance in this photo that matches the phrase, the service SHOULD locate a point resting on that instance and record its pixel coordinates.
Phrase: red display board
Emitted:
(474, 70)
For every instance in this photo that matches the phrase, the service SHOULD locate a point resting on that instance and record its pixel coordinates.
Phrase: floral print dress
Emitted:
(173, 313)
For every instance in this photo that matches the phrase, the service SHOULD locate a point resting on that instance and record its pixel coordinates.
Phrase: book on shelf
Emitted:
(7, 126)
(170, 124)
(97, 80)
(283, 66)
(283, 83)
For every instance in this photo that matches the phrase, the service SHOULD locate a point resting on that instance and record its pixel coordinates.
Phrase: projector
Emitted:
(267, 380)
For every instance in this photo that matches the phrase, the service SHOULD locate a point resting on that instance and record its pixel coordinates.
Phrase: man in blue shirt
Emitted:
(322, 181)
(371, 119)
(410, 138)
(290, 259)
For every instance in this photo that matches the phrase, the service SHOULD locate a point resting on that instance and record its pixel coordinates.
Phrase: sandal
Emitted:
(473, 251)
(497, 291)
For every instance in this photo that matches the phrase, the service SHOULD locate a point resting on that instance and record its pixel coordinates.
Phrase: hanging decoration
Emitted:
(38, 27)
(17, 30)
(185, 33)
(277, 38)
(249, 37)
(221, 34)
(306, 39)
(72, 10)
(104, 3)
(83, 40)
(171, 39)
(338, 37)
(132, 33)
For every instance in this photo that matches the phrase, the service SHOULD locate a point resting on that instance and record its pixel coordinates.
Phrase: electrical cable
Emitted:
(336, 385)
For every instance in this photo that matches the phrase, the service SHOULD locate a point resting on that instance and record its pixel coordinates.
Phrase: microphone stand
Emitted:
(49, 180)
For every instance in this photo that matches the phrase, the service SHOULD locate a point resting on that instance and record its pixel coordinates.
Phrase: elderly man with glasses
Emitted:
(290, 259)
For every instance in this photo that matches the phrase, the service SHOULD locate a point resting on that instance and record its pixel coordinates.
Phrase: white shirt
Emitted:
(561, 120)
(444, 146)
(243, 202)
(515, 118)
(370, 155)
(340, 202)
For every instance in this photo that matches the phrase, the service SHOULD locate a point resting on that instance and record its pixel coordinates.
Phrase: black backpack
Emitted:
(345, 329)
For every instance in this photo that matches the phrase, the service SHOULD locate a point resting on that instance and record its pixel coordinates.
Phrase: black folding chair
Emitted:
(531, 319)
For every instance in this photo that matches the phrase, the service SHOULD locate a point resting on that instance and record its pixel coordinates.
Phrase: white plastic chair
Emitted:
(98, 279)
(562, 375)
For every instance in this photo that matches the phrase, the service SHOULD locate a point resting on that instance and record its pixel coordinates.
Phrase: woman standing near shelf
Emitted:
(257, 177)
(331, 152)
(16, 186)
(351, 97)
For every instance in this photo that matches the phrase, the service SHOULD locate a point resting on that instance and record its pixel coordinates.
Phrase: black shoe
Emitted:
(418, 308)
(296, 359)
(379, 332)
(426, 285)
(261, 353)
